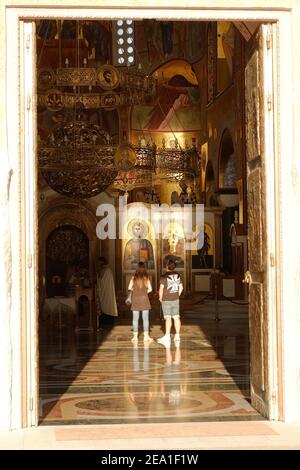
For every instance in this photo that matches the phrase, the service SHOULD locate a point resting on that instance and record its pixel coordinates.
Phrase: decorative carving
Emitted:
(82, 76)
(255, 221)
(252, 108)
(211, 58)
(177, 164)
(77, 160)
(108, 100)
(257, 233)
(256, 332)
(54, 100)
(88, 100)
(80, 160)
(67, 244)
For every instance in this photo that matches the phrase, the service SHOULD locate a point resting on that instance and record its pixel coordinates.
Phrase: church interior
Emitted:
(152, 112)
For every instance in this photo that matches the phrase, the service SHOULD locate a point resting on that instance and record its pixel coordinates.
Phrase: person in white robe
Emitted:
(107, 309)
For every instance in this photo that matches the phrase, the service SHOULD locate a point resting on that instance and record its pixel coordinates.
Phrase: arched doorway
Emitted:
(210, 186)
(227, 163)
(67, 260)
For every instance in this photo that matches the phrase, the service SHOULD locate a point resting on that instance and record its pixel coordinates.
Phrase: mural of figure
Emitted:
(175, 94)
(167, 37)
(153, 38)
(228, 45)
(138, 248)
(69, 29)
(173, 246)
(99, 39)
(107, 77)
(47, 29)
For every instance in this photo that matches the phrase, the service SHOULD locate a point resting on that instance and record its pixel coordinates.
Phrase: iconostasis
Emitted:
(148, 238)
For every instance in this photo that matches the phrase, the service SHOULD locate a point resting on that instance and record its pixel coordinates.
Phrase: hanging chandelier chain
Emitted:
(164, 114)
(139, 120)
(179, 121)
(44, 39)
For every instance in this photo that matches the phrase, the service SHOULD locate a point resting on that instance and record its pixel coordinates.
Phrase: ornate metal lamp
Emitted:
(77, 159)
(176, 164)
(105, 87)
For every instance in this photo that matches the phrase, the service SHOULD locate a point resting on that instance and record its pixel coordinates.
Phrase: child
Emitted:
(141, 286)
(170, 290)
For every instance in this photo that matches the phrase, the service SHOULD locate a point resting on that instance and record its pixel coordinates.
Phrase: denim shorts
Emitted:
(170, 308)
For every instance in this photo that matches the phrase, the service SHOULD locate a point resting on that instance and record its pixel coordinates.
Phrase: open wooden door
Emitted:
(260, 183)
(29, 228)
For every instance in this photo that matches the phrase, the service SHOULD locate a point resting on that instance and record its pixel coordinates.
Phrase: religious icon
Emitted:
(45, 78)
(137, 229)
(108, 77)
(138, 248)
(173, 245)
(125, 157)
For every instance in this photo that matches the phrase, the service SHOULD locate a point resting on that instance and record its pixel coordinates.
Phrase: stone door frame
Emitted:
(22, 376)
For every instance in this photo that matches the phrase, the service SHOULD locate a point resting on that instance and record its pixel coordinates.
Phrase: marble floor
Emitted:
(102, 378)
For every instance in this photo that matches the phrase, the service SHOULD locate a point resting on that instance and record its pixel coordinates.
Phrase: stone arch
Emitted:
(62, 211)
(67, 259)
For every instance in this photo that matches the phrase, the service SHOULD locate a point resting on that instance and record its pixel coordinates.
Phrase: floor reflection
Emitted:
(104, 378)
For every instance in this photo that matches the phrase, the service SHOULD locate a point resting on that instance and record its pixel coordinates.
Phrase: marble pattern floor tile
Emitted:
(103, 378)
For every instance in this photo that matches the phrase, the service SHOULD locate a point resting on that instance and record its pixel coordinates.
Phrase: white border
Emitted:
(284, 99)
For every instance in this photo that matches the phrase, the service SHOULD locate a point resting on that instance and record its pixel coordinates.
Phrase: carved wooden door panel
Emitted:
(258, 134)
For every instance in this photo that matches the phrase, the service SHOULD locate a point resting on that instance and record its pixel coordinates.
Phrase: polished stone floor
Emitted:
(101, 377)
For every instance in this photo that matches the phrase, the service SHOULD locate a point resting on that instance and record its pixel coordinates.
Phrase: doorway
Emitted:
(30, 322)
